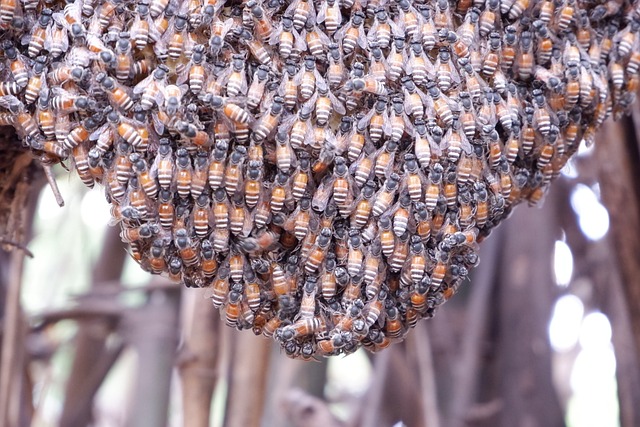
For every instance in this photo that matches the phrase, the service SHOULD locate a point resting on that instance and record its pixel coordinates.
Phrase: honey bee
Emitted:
(252, 186)
(268, 122)
(256, 91)
(24, 123)
(525, 59)
(256, 47)
(284, 37)
(233, 170)
(363, 205)
(118, 96)
(235, 113)
(439, 103)
(312, 39)
(339, 186)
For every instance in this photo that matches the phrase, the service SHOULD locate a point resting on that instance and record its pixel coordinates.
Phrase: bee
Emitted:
(487, 21)
(239, 218)
(427, 28)
(24, 123)
(400, 253)
(396, 59)
(118, 96)
(256, 90)
(439, 103)
(252, 186)
(363, 205)
(410, 19)
(401, 214)
(303, 327)
(313, 40)
(385, 195)
(542, 120)
(57, 39)
(418, 66)
(432, 191)
(565, 15)
(267, 123)
(64, 102)
(36, 82)
(414, 99)
(383, 29)
(284, 37)
(442, 15)
(525, 59)
(234, 112)
(308, 78)
(232, 172)
(38, 35)
(339, 186)
(156, 258)
(263, 26)
(300, 11)
(216, 168)
(492, 59)
(256, 47)
(367, 84)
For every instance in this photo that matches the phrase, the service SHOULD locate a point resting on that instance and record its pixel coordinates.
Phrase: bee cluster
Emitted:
(326, 167)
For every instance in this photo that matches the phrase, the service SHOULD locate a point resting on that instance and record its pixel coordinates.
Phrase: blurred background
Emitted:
(545, 333)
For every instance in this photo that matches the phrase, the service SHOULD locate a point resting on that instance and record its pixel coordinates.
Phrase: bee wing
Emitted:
(395, 28)
(287, 123)
(407, 102)
(184, 74)
(144, 83)
(99, 132)
(158, 125)
(362, 39)
(407, 63)
(435, 148)
(322, 12)
(363, 122)
(290, 10)
(324, 38)
(48, 39)
(8, 100)
(297, 79)
(455, 75)
(337, 105)
(323, 194)
(446, 140)
(300, 42)
(247, 225)
(408, 125)
(320, 81)
(339, 35)
(465, 145)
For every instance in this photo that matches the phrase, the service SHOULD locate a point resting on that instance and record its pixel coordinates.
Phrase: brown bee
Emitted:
(117, 95)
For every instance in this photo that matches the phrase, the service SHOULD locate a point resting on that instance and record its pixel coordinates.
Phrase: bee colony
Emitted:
(326, 167)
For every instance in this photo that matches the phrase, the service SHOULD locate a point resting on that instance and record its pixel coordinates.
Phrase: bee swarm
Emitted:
(326, 167)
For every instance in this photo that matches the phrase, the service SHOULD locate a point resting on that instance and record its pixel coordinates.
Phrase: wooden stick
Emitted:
(465, 377)
(198, 356)
(9, 363)
(51, 179)
(428, 389)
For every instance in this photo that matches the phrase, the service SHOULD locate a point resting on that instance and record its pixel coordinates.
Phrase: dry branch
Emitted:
(247, 380)
(91, 340)
(466, 370)
(198, 357)
(619, 179)
(153, 332)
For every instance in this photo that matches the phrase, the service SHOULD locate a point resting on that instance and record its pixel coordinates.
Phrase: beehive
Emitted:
(327, 167)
